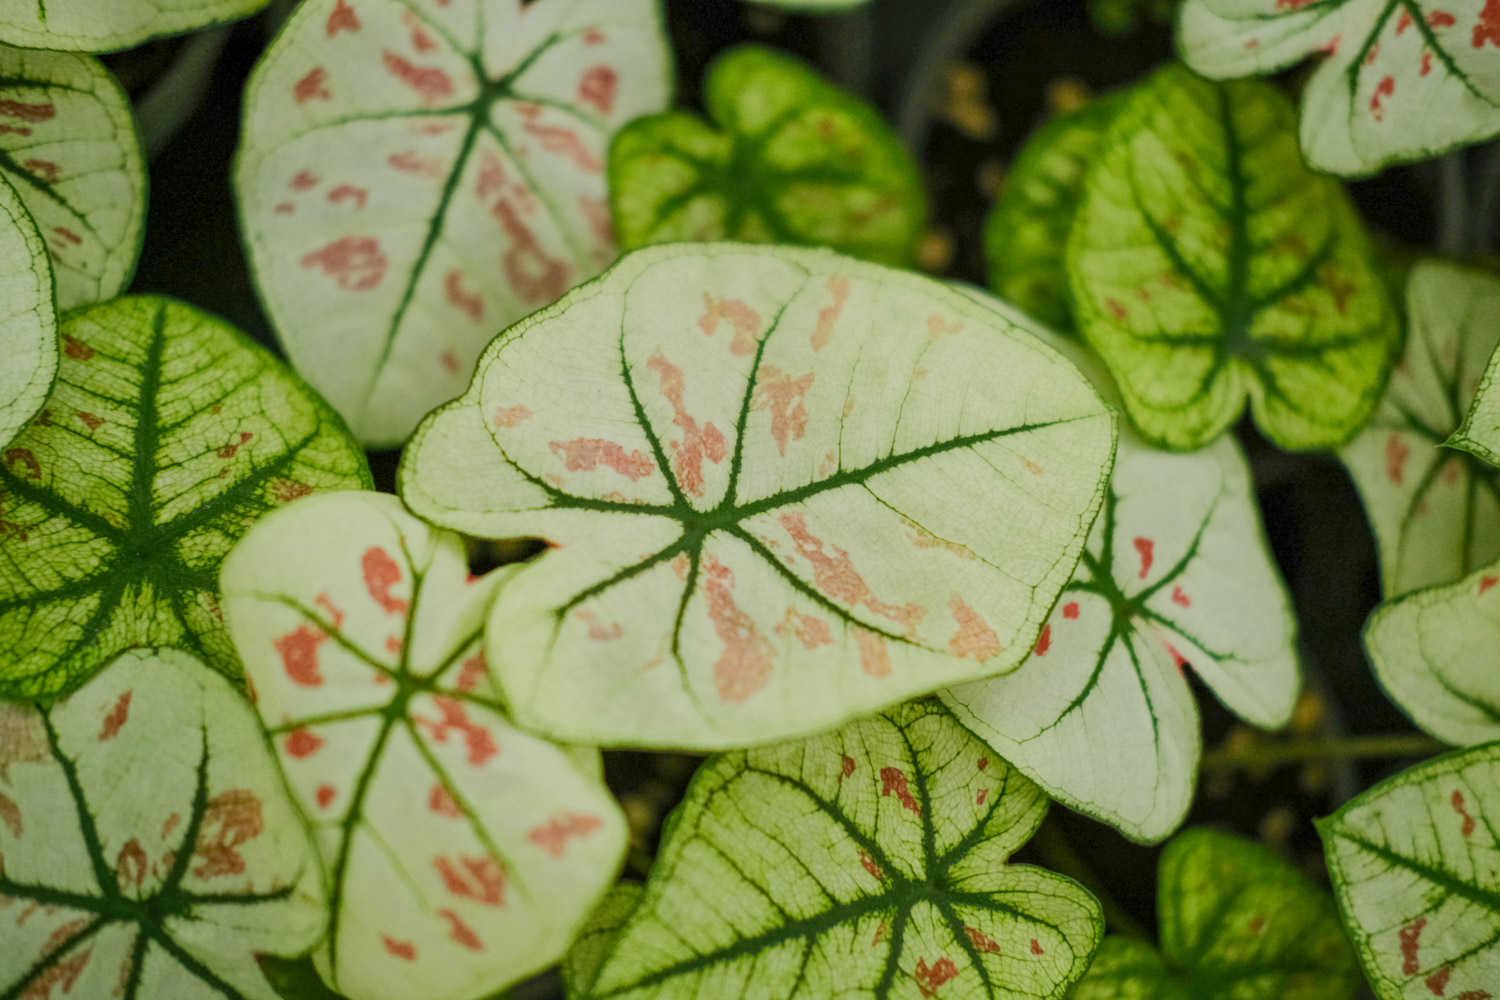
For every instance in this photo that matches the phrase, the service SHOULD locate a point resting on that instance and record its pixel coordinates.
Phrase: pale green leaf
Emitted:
(150, 851)
(872, 862)
(1479, 434)
(416, 175)
(1208, 264)
(1237, 923)
(785, 488)
(461, 853)
(108, 25)
(598, 935)
(785, 158)
(28, 318)
(167, 434)
(1403, 79)
(68, 146)
(1413, 866)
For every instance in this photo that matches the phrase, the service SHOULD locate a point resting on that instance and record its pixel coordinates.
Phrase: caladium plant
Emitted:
(28, 317)
(90, 26)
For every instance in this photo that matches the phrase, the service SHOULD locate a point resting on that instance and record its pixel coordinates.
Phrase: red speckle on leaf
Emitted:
(554, 836)
(1043, 642)
(229, 449)
(381, 573)
(480, 879)
(698, 443)
(1426, 63)
(838, 286)
(32, 113)
(90, 421)
(1178, 660)
(301, 744)
(893, 780)
(598, 631)
(431, 83)
(1036, 949)
(404, 950)
(974, 640)
(335, 615)
(343, 18)
(835, 575)
(587, 454)
(534, 275)
(811, 631)
(1116, 310)
(1291, 4)
(870, 866)
(284, 491)
(874, 658)
(1488, 28)
(469, 303)
(1372, 54)
(62, 973)
(420, 39)
(981, 941)
(312, 87)
(472, 671)
(930, 978)
(43, 169)
(598, 88)
(1179, 598)
(745, 665)
(1457, 801)
(593, 37)
(1403, 22)
(1147, 550)
(1070, 610)
(460, 931)
(24, 456)
(77, 349)
(1486, 582)
(285, 208)
(348, 192)
(480, 744)
(1408, 937)
(68, 235)
(116, 718)
(744, 320)
(562, 141)
(511, 416)
(231, 819)
(303, 181)
(783, 395)
(880, 933)
(846, 767)
(409, 162)
(441, 802)
(325, 795)
(10, 815)
(355, 262)
(1441, 19)
(984, 793)
(1473, 995)
(1396, 454)
(1438, 981)
(1385, 88)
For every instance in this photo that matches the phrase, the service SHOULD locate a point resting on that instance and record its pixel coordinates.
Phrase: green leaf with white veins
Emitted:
(1403, 79)
(68, 146)
(415, 175)
(1412, 863)
(167, 434)
(1208, 264)
(461, 853)
(150, 851)
(92, 26)
(28, 318)
(872, 862)
(785, 488)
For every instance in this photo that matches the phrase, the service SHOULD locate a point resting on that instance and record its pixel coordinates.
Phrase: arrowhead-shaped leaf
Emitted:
(94, 26)
(787, 158)
(1403, 80)
(1237, 923)
(68, 147)
(870, 862)
(785, 488)
(598, 935)
(149, 847)
(1412, 862)
(28, 318)
(461, 853)
(1208, 264)
(167, 434)
(416, 176)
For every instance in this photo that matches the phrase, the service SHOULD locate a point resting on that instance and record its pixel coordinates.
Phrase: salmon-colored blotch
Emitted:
(116, 719)
(893, 781)
(299, 654)
(480, 879)
(975, 640)
(381, 573)
(554, 835)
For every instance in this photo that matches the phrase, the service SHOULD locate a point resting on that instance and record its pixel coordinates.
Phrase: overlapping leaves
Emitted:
(416, 176)
(28, 317)
(92, 26)
(871, 862)
(167, 434)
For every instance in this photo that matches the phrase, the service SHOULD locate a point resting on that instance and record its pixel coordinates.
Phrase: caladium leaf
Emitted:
(68, 146)
(1237, 923)
(1479, 434)
(461, 853)
(149, 847)
(734, 451)
(869, 862)
(1208, 264)
(594, 941)
(787, 158)
(91, 26)
(28, 317)
(1404, 79)
(1436, 512)
(415, 176)
(167, 433)
(1412, 862)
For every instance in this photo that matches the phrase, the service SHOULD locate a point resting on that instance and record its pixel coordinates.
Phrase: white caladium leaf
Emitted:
(149, 847)
(1435, 511)
(1403, 79)
(785, 488)
(1413, 865)
(68, 146)
(461, 853)
(28, 317)
(872, 862)
(167, 434)
(92, 26)
(416, 175)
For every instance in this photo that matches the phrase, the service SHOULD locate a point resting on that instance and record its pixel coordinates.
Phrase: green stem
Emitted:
(1302, 751)
(1063, 859)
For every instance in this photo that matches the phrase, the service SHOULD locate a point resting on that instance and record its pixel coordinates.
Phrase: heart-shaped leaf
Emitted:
(787, 158)
(1208, 264)
(1237, 923)
(149, 847)
(167, 434)
(870, 862)
(415, 176)
(68, 147)
(1412, 862)
(785, 488)
(461, 853)
(598, 934)
(28, 318)
(1403, 80)
(92, 26)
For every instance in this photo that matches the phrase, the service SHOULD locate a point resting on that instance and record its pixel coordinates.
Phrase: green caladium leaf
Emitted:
(28, 317)
(461, 853)
(594, 941)
(149, 847)
(1208, 264)
(869, 862)
(1237, 923)
(733, 450)
(68, 146)
(91, 26)
(1403, 79)
(1027, 231)
(1479, 434)
(415, 176)
(785, 158)
(1436, 512)
(167, 434)
(1412, 862)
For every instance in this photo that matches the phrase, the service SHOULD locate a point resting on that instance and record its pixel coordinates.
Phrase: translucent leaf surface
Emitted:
(786, 488)
(1208, 264)
(461, 853)
(786, 158)
(1403, 79)
(167, 434)
(150, 851)
(870, 862)
(1435, 511)
(68, 147)
(1237, 923)
(28, 317)
(594, 942)
(107, 25)
(416, 175)
(1413, 865)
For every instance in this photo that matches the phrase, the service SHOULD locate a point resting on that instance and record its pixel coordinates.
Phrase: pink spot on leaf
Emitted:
(46, 170)
(480, 879)
(404, 950)
(811, 631)
(480, 744)
(116, 719)
(1408, 939)
(930, 978)
(299, 655)
(430, 83)
(229, 450)
(381, 573)
(32, 113)
(1385, 88)
(312, 87)
(90, 421)
(562, 141)
(1179, 598)
(846, 767)
(348, 192)
(343, 18)
(698, 443)
(1438, 981)
(554, 836)
(874, 658)
(835, 575)
(10, 815)
(744, 320)
(869, 865)
(598, 88)
(1147, 550)
(511, 416)
(301, 743)
(355, 262)
(1396, 454)
(784, 397)
(893, 781)
(77, 349)
(1487, 581)
(441, 802)
(461, 932)
(1457, 801)
(325, 795)
(587, 454)
(838, 286)
(469, 303)
(981, 941)
(745, 665)
(1036, 949)
(232, 819)
(1043, 642)
(1070, 610)
(1488, 28)
(534, 275)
